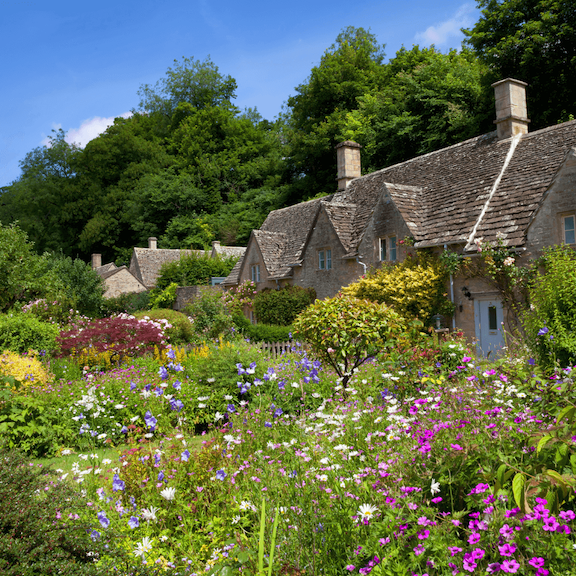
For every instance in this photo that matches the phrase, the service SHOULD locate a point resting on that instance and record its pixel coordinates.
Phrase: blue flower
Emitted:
(531, 361)
(163, 373)
(231, 408)
(543, 331)
(94, 535)
(150, 421)
(185, 455)
(124, 430)
(160, 476)
(118, 484)
(158, 391)
(133, 386)
(133, 522)
(103, 520)
(157, 459)
(176, 405)
(278, 412)
(171, 354)
(220, 475)
(177, 385)
(268, 424)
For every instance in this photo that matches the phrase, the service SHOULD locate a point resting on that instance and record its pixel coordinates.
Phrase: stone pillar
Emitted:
(96, 261)
(511, 112)
(152, 243)
(348, 154)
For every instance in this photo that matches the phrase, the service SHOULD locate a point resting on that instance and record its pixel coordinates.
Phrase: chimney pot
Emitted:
(348, 155)
(96, 261)
(511, 111)
(152, 243)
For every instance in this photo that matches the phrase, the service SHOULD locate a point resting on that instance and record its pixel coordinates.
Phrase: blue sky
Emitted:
(77, 65)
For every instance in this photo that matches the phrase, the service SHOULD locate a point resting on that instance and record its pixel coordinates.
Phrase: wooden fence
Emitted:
(276, 349)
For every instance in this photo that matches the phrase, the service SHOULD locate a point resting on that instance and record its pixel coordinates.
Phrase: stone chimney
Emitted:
(96, 261)
(511, 113)
(152, 243)
(348, 154)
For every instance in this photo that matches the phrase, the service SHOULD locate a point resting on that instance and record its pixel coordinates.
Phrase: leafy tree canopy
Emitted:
(533, 41)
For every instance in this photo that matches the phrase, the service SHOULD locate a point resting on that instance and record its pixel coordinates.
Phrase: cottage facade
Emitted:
(513, 185)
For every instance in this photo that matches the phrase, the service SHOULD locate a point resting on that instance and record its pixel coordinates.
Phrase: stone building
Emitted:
(508, 184)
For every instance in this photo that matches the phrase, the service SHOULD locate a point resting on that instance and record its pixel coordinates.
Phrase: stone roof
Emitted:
(106, 270)
(146, 262)
(478, 188)
(226, 251)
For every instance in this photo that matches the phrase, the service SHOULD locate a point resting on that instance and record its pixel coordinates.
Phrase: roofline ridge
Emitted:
(513, 144)
(547, 129)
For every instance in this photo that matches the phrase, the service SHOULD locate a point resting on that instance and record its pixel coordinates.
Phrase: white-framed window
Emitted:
(256, 273)
(569, 229)
(388, 249)
(325, 259)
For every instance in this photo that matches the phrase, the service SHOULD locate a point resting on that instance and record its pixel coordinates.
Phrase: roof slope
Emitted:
(146, 262)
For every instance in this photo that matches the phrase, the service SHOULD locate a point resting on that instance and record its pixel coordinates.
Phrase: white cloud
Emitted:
(87, 131)
(444, 32)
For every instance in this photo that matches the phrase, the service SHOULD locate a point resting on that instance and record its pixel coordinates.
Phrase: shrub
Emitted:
(194, 270)
(345, 331)
(262, 332)
(163, 297)
(21, 332)
(414, 287)
(280, 307)
(180, 330)
(550, 322)
(117, 337)
(40, 530)
(208, 313)
(240, 297)
(27, 369)
(126, 303)
(50, 310)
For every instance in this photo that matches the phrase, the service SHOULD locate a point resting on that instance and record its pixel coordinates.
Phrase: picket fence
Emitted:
(276, 349)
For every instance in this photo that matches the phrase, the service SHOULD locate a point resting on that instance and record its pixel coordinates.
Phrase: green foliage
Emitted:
(533, 41)
(280, 307)
(180, 332)
(262, 332)
(194, 270)
(208, 313)
(415, 287)
(550, 321)
(237, 298)
(345, 331)
(20, 332)
(429, 100)
(163, 297)
(126, 303)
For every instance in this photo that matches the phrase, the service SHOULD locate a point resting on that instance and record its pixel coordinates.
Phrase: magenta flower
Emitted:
(474, 538)
(477, 554)
(419, 549)
(507, 549)
(423, 534)
(550, 524)
(350, 567)
(510, 566)
(454, 550)
(456, 447)
(536, 562)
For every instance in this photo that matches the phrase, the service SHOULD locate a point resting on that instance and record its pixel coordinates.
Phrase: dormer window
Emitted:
(569, 229)
(325, 259)
(388, 250)
(256, 273)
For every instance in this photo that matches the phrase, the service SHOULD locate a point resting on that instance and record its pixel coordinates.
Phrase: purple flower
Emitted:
(94, 535)
(171, 354)
(163, 373)
(160, 475)
(536, 562)
(531, 361)
(150, 421)
(117, 484)
(510, 566)
(104, 522)
(419, 549)
(543, 331)
(474, 538)
(507, 549)
(176, 405)
(350, 567)
(177, 385)
(231, 408)
(124, 430)
(185, 456)
(278, 412)
(268, 424)
(454, 550)
(220, 475)
(133, 522)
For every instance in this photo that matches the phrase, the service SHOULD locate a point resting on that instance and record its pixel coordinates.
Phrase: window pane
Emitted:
(569, 232)
(321, 259)
(328, 259)
(492, 318)
(382, 249)
(393, 248)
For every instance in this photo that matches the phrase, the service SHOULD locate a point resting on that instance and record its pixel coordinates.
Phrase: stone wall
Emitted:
(121, 281)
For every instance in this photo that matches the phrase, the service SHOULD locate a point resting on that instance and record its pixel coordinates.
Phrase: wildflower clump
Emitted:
(414, 287)
(27, 370)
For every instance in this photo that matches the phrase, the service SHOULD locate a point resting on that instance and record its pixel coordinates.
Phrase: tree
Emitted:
(430, 100)
(351, 67)
(198, 84)
(533, 41)
(345, 331)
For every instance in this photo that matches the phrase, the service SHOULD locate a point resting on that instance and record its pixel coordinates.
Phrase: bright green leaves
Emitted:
(346, 331)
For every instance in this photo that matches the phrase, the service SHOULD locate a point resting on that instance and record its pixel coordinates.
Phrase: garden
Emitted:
(140, 443)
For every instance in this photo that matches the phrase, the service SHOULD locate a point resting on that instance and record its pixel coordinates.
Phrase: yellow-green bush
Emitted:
(27, 370)
(415, 287)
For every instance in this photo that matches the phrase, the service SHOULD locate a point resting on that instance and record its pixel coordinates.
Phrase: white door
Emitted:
(489, 317)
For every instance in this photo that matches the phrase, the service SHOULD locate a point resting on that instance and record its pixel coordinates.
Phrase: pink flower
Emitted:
(507, 549)
(473, 538)
(419, 549)
(510, 566)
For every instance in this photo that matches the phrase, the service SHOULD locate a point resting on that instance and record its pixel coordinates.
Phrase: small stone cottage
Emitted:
(509, 184)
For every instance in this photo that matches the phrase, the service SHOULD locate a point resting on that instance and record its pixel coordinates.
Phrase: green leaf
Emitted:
(543, 441)
(567, 412)
(500, 474)
(518, 489)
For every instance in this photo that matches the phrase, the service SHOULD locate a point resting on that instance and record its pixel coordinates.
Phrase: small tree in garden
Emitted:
(346, 331)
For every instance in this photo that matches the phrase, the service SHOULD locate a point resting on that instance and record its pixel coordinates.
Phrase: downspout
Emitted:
(361, 264)
(452, 297)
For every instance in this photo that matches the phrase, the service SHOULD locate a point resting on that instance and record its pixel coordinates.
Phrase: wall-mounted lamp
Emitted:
(466, 292)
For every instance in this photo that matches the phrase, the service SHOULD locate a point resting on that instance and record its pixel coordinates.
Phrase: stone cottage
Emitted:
(510, 184)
